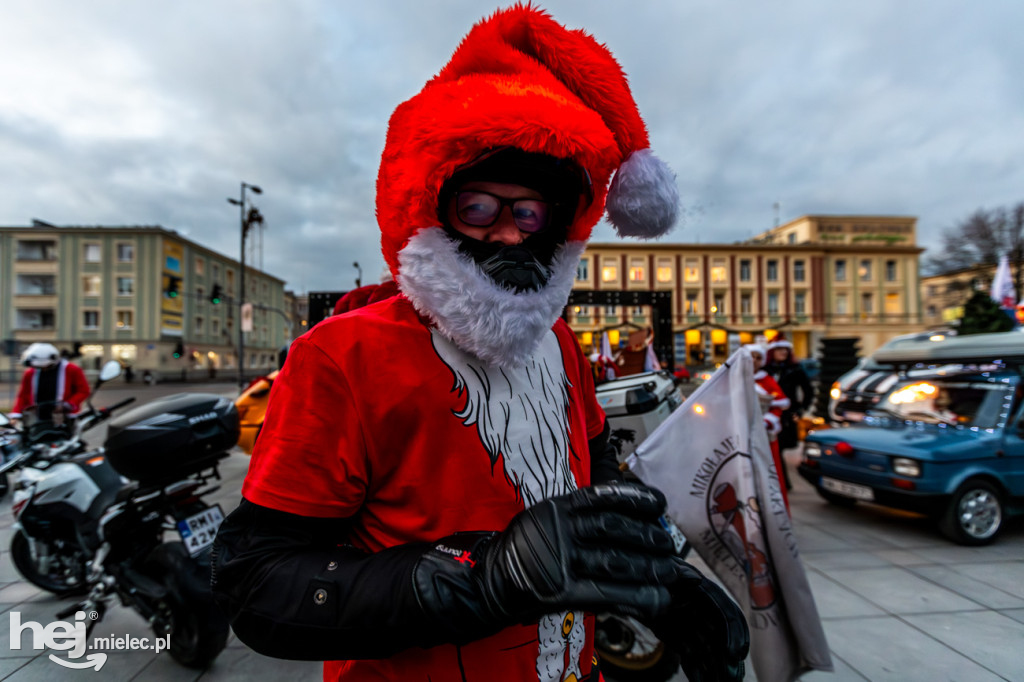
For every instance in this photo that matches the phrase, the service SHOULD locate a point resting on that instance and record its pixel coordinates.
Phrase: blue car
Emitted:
(947, 440)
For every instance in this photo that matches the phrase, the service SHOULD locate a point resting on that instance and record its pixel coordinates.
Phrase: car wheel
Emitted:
(837, 500)
(974, 515)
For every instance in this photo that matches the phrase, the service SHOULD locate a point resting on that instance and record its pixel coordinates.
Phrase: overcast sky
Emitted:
(152, 113)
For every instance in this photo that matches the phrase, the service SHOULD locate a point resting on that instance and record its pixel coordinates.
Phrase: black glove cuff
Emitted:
(448, 589)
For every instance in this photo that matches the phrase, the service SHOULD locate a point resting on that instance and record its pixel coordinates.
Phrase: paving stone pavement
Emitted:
(898, 602)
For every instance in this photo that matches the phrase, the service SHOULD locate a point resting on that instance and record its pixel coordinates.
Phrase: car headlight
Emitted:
(836, 392)
(812, 450)
(905, 466)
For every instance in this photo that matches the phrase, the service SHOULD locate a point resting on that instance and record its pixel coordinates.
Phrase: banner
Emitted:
(712, 460)
(172, 309)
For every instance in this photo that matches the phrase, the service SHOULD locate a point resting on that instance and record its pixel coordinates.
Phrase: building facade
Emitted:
(145, 296)
(816, 277)
(943, 295)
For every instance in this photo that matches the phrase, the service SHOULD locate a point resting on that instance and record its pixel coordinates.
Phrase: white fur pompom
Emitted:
(643, 200)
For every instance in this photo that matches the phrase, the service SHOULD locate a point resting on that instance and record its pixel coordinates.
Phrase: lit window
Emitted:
(609, 273)
(691, 273)
(892, 304)
(664, 273)
(691, 304)
(718, 270)
(637, 274)
(91, 285)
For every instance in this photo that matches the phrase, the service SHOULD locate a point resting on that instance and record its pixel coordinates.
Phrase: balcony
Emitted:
(27, 319)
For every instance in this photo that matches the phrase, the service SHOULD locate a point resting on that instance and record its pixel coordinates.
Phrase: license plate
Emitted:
(199, 530)
(857, 492)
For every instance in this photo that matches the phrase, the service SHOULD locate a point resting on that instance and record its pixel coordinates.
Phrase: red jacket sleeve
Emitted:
(76, 387)
(24, 397)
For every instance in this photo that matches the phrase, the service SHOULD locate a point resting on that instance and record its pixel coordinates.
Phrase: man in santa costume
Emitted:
(773, 402)
(432, 496)
(49, 379)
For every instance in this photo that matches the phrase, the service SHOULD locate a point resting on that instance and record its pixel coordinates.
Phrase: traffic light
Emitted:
(215, 294)
(173, 286)
(179, 350)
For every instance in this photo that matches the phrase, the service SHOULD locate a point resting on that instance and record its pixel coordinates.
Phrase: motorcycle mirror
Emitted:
(4, 421)
(110, 371)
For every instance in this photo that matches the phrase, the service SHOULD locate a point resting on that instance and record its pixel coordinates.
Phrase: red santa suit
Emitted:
(72, 388)
(487, 443)
(773, 402)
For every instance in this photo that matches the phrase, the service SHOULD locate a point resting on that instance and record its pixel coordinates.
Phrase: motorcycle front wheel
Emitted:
(64, 574)
(630, 652)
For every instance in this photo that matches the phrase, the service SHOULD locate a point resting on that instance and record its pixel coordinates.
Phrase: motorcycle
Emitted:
(93, 522)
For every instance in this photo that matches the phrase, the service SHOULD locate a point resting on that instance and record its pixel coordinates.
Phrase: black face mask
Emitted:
(519, 267)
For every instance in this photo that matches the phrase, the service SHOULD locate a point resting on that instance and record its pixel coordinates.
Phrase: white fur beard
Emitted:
(495, 324)
(520, 414)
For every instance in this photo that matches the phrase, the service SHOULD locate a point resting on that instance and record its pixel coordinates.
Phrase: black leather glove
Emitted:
(706, 628)
(596, 549)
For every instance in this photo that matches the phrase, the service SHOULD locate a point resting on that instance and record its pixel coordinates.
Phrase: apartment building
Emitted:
(145, 296)
(813, 278)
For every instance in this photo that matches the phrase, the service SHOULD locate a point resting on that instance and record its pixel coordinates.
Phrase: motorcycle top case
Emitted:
(172, 437)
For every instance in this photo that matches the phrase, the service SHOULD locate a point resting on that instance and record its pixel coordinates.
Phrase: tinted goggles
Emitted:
(481, 209)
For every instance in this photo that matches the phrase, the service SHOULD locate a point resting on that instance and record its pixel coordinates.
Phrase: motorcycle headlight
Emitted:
(835, 393)
(904, 466)
(812, 450)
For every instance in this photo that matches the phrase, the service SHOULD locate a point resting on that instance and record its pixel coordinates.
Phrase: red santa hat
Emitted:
(519, 79)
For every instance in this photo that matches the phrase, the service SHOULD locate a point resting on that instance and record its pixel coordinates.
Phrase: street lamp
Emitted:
(254, 216)
(359, 277)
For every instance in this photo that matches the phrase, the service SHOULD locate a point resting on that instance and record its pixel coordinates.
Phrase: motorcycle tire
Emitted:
(197, 628)
(624, 659)
(56, 580)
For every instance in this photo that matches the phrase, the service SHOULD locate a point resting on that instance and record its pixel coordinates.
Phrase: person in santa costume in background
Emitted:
(49, 379)
(773, 402)
(432, 495)
(790, 375)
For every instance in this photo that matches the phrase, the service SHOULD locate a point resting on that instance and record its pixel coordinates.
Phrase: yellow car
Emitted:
(252, 406)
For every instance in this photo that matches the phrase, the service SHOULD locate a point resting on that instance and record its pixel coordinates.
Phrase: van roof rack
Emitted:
(1005, 348)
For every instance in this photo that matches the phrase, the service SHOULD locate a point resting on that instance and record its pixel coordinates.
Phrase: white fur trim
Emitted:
(782, 343)
(773, 423)
(493, 323)
(782, 403)
(760, 374)
(643, 200)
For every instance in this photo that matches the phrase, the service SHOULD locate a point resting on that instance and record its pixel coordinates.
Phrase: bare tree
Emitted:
(980, 239)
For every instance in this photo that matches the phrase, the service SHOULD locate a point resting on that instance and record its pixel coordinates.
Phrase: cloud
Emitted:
(145, 113)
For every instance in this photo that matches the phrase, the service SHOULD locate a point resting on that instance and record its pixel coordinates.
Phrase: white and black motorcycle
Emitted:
(93, 522)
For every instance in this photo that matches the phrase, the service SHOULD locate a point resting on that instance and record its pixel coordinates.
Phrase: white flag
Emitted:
(606, 357)
(1002, 291)
(713, 461)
